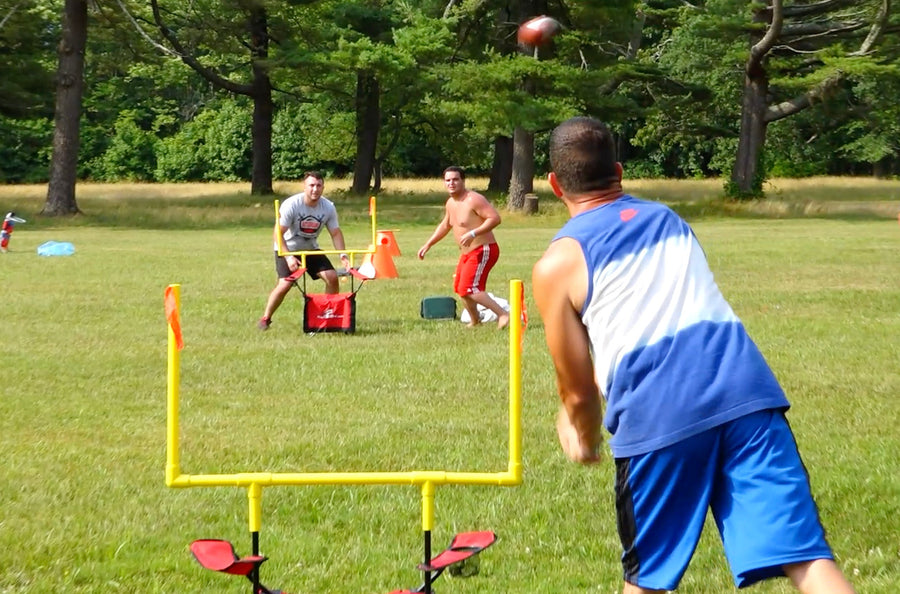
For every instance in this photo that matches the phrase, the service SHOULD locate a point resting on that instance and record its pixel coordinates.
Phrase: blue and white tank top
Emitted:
(670, 356)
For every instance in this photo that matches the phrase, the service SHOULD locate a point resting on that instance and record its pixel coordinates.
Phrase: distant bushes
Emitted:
(25, 150)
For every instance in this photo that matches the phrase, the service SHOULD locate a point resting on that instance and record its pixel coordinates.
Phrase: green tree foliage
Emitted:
(409, 87)
(29, 33)
(130, 153)
(817, 63)
(870, 129)
(367, 65)
(25, 149)
(688, 125)
(214, 146)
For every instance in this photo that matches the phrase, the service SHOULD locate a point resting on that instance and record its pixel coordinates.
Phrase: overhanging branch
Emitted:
(144, 34)
(762, 47)
(827, 28)
(876, 30)
(827, 86)
(816, 8)
(190, 60)
(797, 104)
(11, 12)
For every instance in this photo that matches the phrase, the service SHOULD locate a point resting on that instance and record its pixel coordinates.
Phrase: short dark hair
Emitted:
(316, 174)
(583, 155)
(456, 169)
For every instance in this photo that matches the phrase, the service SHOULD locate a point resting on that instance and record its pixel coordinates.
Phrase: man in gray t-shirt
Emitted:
(302, 218)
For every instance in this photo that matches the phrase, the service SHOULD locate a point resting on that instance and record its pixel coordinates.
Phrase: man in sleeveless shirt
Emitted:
(633, 316)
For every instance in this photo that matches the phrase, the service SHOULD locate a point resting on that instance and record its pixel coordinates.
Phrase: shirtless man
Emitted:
(472, 219)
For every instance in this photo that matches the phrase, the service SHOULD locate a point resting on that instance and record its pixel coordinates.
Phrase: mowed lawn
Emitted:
(83, 502)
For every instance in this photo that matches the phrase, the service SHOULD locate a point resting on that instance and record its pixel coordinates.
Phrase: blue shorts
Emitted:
(748, 473)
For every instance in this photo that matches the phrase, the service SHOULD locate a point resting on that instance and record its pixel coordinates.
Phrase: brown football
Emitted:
(538, 31)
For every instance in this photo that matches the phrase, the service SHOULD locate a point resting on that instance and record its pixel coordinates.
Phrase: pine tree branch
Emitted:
(877, 29)
(9, 14)
(773, 32)
(219, 81)
(143, 33)
(797, 104)
(816, 8)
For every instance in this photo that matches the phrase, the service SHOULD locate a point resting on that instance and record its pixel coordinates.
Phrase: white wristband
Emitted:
(472, 234)
(344, 256)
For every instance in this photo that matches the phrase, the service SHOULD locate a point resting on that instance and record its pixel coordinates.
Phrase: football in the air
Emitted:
(538, 31)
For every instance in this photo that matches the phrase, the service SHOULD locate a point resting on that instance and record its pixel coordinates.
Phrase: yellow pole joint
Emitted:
(427, 506)
(254, 497)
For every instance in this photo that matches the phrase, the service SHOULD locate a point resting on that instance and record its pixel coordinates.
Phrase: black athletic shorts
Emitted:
(315, 263)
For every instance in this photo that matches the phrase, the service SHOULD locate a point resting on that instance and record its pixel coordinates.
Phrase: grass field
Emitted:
(814, 273)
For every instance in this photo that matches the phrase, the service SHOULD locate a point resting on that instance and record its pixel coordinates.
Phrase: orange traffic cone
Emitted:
(380, 263)
(386, 238)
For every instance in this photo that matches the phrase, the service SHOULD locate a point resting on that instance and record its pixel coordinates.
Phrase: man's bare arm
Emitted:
(337, 238)
(439, 233)
(559, 283)
(486, 211)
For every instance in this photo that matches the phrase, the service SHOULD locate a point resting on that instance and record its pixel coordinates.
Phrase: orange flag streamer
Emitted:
(173, 318)
(371, 205)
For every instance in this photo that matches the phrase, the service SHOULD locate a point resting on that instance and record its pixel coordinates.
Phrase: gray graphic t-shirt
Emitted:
(304, 222)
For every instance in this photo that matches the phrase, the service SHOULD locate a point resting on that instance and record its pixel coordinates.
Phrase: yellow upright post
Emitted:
(516, 300)
(372, 215)
(427, 525)
(173, 380)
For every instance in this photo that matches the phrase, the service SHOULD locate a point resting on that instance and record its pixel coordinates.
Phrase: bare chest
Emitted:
(463, 215)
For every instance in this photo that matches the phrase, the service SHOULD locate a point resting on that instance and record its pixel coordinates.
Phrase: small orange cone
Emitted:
(386, 238)
(381, 262)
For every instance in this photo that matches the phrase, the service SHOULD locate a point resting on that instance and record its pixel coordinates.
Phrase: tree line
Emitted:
(259, 90)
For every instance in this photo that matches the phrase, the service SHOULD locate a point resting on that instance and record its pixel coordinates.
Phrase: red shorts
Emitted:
(473, 268)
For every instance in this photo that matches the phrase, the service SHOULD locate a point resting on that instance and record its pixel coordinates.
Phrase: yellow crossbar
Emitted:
(426, 479)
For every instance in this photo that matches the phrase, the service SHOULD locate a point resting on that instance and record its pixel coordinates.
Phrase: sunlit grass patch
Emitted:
(84, 362)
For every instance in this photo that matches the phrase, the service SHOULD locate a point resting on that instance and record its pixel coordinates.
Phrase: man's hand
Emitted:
(467, 239)
(293, 263)
(571, 444)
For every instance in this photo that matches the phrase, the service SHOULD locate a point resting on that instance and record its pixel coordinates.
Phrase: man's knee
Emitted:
(331, 280)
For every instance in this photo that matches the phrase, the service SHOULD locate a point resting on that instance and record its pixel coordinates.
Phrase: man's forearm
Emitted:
(586, 416)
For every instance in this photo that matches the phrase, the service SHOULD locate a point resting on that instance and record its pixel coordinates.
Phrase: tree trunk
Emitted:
(259, 89)
(885, 168)
(501, 169)
(368, 120)
(69, 90)
(261, 176)
(746, 177)
(522, 181)
(376, 183)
